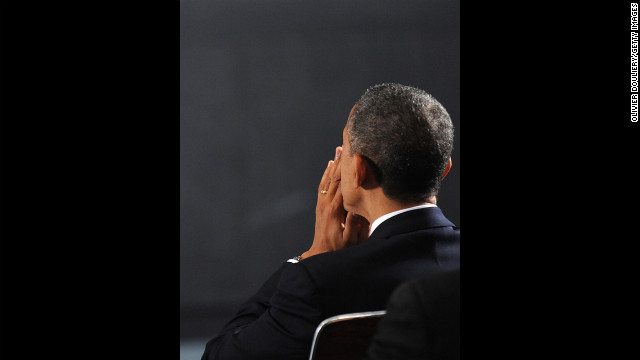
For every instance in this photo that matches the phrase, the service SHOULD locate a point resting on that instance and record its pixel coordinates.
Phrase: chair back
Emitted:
(345, 337)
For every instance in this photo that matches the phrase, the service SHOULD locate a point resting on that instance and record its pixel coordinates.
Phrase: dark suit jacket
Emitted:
(279, 321)
(422, 320)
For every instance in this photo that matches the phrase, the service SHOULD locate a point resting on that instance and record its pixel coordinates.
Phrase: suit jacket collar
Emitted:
(413, 220)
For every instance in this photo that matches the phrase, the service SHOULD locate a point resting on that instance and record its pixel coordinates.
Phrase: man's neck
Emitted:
(378, 205)
(388, 216)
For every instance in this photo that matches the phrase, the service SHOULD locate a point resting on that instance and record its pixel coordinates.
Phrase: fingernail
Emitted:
(329, 163)
(338, 151)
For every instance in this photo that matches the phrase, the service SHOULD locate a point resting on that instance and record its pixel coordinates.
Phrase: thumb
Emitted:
(353, 225)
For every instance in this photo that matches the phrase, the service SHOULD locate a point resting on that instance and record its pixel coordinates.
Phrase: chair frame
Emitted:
(338, 318)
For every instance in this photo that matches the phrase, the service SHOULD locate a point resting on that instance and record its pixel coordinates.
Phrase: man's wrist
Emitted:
(309, 253)
(313, 251)
(295, 259)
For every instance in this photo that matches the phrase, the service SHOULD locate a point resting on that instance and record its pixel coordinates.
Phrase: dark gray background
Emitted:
(265, 90)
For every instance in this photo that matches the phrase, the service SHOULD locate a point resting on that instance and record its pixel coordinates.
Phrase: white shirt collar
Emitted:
(385, 217)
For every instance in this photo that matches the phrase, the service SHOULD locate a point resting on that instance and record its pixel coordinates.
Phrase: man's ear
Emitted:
(446, 169)
(361, 169)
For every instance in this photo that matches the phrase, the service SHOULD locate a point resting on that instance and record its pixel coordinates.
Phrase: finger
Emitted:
(327, 182)
(351, 220)
(335, 173)
(353, 229)
(324, 181)
(335, 160)
(337, 201)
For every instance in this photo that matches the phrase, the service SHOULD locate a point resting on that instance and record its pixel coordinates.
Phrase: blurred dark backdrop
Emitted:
(265, 90)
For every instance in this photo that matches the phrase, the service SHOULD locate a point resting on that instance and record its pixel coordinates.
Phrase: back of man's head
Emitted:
(407, 135)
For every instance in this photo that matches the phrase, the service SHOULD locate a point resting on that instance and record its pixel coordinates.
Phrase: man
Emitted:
(422, 320)
(377, 225)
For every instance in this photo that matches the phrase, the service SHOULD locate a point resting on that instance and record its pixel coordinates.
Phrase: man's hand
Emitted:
(356, 230)
(335, 228)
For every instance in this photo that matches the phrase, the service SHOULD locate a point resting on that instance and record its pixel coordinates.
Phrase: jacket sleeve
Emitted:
(278, 322)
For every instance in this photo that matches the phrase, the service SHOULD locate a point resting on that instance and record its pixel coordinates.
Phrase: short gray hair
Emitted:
(407, 137)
